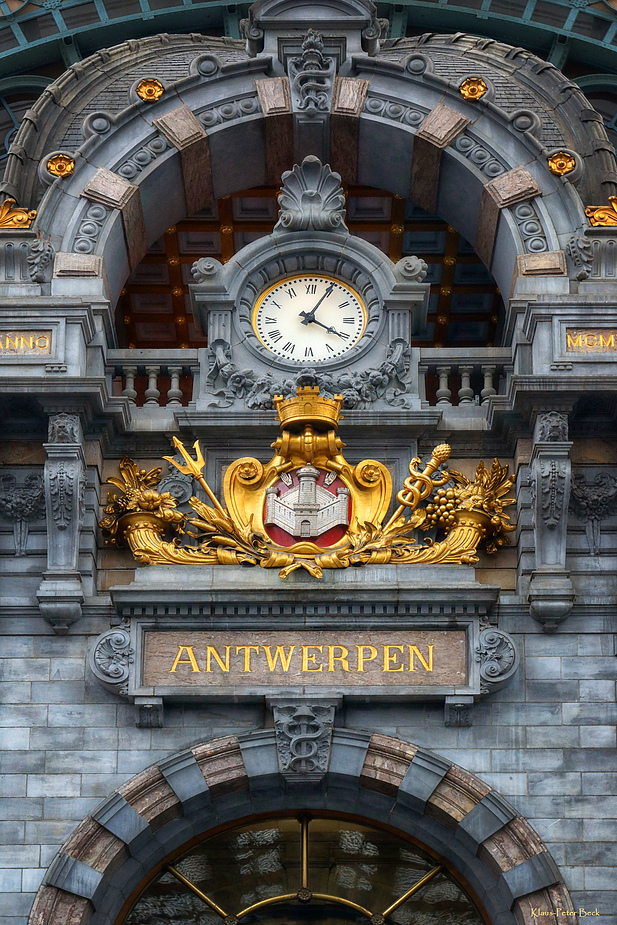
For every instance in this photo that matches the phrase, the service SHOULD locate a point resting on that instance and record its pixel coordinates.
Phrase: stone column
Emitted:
(550, 592)
(60, 594)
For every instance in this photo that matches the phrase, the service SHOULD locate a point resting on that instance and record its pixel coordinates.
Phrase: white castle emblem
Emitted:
(308, 509)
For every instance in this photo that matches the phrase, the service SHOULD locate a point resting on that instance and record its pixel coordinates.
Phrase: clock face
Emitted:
(309, 319)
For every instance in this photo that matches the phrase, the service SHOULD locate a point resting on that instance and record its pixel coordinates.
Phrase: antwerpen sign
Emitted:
(313, 660)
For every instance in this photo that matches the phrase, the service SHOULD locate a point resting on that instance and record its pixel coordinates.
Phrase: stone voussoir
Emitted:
(455, 796)
(220, 761)
(386, 764)
(152, 797)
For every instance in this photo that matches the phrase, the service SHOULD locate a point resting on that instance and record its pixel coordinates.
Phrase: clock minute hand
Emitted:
(309, 317)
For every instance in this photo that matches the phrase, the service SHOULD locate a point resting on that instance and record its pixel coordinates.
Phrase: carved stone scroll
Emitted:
(111, 658)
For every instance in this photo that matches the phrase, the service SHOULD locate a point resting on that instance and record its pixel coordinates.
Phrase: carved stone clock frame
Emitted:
(310, 238)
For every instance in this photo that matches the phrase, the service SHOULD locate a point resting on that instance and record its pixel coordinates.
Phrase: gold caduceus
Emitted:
(418, 485)
(194, 467)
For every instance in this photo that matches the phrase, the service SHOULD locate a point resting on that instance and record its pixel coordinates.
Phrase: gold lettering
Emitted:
(24, 344)
(608, 341)
(427, 665)
(191, 660)
(342, 658)
(247, 655)
(45, 344)
(13, 343)
(575, 343)
(211, 651)
(371, 653)
(389, 658)
(593, 342)
(306, 658)
(279, 654)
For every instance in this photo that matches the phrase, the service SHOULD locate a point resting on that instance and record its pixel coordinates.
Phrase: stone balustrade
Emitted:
(153, 378)
(462, 377)
(446, 378)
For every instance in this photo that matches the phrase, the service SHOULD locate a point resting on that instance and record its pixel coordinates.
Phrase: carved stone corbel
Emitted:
(60, 594)
(303, 730)
(551, 596)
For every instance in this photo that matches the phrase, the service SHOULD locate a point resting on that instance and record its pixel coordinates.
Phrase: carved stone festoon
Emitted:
(551, 595)
(60, 594)
(21, 501)
(593, 499)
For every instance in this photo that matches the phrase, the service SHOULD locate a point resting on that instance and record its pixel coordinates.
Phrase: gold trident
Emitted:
(193, 467)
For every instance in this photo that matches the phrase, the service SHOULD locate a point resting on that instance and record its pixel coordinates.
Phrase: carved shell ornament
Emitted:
(308, 508)
(311, 198)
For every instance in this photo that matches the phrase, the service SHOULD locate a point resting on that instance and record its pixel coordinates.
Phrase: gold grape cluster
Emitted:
(440, 512)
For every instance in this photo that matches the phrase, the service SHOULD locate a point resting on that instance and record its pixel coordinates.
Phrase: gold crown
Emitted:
(308, 407)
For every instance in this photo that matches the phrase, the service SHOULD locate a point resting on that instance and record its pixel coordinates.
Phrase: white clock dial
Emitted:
(309, 319)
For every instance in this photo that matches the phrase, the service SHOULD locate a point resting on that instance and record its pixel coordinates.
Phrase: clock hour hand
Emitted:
(327, 328)
(309, 317)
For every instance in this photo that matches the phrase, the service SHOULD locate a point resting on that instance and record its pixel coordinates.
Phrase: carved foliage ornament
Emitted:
(12, 216)
(389, 381)
(553, 475)
(603, 216)
(311, 199)
(466, 514)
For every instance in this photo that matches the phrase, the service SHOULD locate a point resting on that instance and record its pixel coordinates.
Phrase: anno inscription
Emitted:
(25, 343)
(270, 659)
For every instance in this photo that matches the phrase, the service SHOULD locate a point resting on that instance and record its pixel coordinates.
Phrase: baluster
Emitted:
(488, 390)
(465, 393)
(129, 373)
(443, 392)
(174, 394)
(152, 393)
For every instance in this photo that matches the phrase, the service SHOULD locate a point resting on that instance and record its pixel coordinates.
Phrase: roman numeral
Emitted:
(291, 293)
(343, 304)
(308, 352)
(273, 320)
(274, 335)
(276, 304)
(345, 320)
(289, 347)
(346, 336)
(312, 289)
(328, 347)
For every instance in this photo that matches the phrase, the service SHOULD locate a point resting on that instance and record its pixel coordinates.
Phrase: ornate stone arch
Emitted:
(123, 843)
(229, 117)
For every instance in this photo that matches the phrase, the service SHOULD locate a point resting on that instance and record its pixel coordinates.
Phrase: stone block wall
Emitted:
(546, 743)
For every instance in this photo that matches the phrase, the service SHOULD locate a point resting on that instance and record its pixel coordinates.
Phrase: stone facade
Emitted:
(510, 777)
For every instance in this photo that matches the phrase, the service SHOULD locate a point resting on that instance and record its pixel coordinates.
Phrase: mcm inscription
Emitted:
(591, 340)
(25, 343)
(266, 659)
